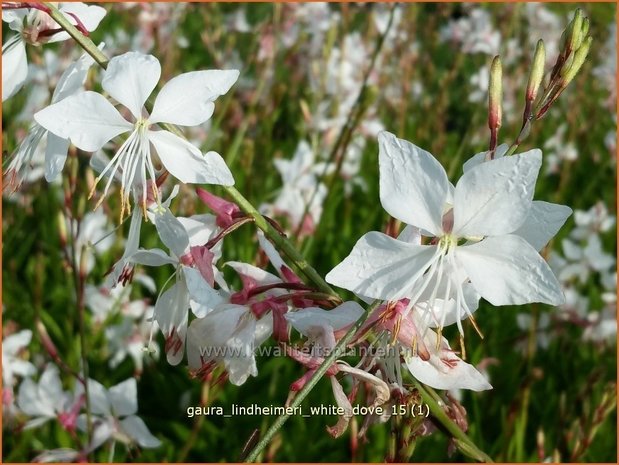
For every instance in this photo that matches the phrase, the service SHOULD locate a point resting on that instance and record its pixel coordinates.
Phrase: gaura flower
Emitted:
(193, 281)
(89, 120)
(36, 27)
(476, 231)
(56, 148)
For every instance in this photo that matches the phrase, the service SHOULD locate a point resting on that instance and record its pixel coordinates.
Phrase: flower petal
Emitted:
(99, 401)
(445, 370)
(151, 257)
(199, 291)
(544, 221)
(124, 398)
(494, 198)
(130, 78)
(14, 66)
(338, 318)
(87, 119)
(480, 157)
(507, 270)
(171, 232)
(185, 162)
(413, 184)
(187, 99)
(55, 156)
(171, 313)
(89, 15)
(206, 335)
(382, 267)
(135, 428)
(73, 78)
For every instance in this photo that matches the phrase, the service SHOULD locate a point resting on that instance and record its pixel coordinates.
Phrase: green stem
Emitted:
(281, 242)
(463, 442)
(302, 394)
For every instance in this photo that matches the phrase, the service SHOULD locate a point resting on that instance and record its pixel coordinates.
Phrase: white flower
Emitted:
(191, 288)
(229, 335)
(89, 120)
(12, 364)
(56, 147)
(46, 400)
(300, 187)
(475, 226)
(36, 27)
(114, 412)
(474, 32)
(92, 235)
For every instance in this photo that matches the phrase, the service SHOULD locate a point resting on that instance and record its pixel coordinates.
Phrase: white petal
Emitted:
(102, 432)
(130, 78)
(480, 157)
(50, 387)
(124, 398)
(99, 401)
(259, 275)
(152, 257)
(338, 318)
(455, 374)
(413, 185)
(240, 362)
(185, 162)
(410, 234)
(73, 78)
(89, 15)
(29, 402)
(381, 267)
(87, 119)
(171, 232)
(14, 66)
(207, 335)
(57, 455)
(200, 228)
(544, 221)
(15, 342)
(187, 99)
(507, 270)
(495, 197)
(55, 156)
(200, 291)
(171, 313)
(137, 429)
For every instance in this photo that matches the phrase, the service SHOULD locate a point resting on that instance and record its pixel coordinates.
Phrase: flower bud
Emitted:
(579, 59)
(537, 71)
(575, 37)
(62, 229)
(495, 94)
(585, 28)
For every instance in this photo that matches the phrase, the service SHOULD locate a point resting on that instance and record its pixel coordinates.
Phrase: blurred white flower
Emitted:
(474, 32)
(13, 364)
(46, 400)
(114, 415)
(91, 237)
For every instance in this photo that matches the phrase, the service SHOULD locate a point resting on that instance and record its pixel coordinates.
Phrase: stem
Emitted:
(462, 440)
(280, 241)
(302, 394)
